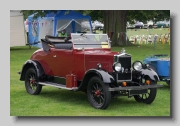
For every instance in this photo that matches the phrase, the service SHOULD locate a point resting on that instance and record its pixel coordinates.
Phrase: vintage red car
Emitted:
(85, 62)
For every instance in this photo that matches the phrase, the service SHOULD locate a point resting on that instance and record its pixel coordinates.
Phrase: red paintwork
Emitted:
(75, 62)
(97, 93)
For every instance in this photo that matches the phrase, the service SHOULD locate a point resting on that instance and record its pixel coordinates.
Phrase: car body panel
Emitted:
(92, 58)
(161, 64)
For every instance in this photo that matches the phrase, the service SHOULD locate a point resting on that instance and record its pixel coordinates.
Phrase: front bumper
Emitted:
(128, 88)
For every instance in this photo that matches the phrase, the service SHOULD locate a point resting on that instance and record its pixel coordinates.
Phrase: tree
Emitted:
(115, 25)
(115, 20)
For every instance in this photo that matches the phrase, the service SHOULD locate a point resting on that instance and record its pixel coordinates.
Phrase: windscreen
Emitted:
(81, 40)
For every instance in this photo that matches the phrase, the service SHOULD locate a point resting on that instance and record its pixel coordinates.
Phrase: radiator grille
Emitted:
(126, 64)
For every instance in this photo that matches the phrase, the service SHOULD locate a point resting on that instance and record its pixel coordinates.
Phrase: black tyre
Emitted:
(168, 82)
(31, 82)
(98, 94)
(149, 97)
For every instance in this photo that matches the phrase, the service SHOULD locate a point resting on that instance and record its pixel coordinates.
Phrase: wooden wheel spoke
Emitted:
(93, 91)
(97, 86)
(102, 98)
(146, 96)
(94, 87)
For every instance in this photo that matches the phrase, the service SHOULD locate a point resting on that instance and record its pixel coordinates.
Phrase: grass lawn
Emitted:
(59, 102)
(131, 32)
(158, 31)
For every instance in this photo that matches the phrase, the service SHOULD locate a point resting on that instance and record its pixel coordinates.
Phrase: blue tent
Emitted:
(52, 23)
(72, 21)
(35, 28)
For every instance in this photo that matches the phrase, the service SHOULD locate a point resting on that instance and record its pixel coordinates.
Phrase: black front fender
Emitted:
(103, 75)
(31, 63)
(106, 77)
(151, 73)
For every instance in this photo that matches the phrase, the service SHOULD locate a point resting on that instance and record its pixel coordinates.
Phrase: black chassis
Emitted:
(135, 85)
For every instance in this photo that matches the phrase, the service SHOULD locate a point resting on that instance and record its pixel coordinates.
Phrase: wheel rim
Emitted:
(97, 94)
(143, 97)
(32, 82)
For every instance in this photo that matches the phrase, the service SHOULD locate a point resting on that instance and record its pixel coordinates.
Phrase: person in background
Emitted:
(62, 33)
(27, 30)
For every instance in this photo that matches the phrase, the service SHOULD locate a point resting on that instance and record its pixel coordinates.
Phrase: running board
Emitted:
(46, 83)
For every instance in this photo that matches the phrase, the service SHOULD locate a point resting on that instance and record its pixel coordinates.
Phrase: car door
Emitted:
(50, 62)
(64, 62)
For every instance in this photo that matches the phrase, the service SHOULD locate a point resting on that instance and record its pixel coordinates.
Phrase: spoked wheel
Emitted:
(149, 97)
(31, 82)
(98, 94)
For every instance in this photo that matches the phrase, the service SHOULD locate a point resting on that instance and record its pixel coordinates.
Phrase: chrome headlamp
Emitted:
(137, 65)
(117, 67)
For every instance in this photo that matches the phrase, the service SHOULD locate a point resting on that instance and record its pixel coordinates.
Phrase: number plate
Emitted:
(137, 92)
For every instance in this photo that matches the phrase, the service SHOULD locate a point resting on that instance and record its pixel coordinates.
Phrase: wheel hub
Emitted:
(97, 93)
(32, 81)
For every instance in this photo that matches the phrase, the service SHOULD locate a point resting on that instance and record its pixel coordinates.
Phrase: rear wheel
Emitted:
(31, 82)
(98, 94)
(149, 97)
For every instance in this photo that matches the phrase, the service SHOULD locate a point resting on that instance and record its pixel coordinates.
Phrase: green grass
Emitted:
(158, 31)
(145, 32)
(139, 52)
(59, 102)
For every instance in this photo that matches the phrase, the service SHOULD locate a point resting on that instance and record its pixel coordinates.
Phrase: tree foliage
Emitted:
(114, 20)
(139, 15)
(144, 15)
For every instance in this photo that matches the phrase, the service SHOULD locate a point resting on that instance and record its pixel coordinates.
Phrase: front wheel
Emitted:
(98, 94)
(31, 82)
(149, 97)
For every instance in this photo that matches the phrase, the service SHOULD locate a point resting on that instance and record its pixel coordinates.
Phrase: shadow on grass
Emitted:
(72, 98)
(61, 95)
(22, 48)
(80, 99)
